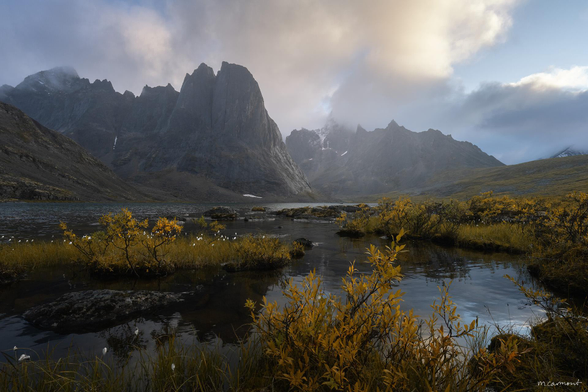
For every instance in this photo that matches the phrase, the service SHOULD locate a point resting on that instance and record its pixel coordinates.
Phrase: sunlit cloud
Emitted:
(574, 79)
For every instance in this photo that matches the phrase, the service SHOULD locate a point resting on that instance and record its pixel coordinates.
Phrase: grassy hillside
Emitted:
(546, 177)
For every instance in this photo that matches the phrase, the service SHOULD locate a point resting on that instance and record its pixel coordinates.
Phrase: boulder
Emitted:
(93, 310)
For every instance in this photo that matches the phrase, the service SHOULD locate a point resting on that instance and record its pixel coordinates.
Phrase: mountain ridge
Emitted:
(338, 161)
(37, 163)
(215, 132)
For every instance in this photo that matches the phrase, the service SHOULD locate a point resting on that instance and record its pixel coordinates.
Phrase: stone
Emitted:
(93, 310)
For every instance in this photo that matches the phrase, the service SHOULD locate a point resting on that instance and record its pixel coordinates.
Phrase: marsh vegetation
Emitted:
(359, 338)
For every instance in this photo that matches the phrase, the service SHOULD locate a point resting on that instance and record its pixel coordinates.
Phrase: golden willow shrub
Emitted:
(262, 253)
(558, 343)
(417, 219)
(358, 225)
(126, 244)
(566, 225)
(366, 342)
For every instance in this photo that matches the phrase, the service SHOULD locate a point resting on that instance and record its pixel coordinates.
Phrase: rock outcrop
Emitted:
(94, 310)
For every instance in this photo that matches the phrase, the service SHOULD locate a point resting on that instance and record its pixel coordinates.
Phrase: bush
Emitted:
(124, 246)
(320, 342)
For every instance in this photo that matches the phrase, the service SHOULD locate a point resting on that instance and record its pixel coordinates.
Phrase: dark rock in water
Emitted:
(222, 213)
(304, 242)
(93, 310)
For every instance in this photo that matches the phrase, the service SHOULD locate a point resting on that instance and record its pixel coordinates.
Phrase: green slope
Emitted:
(546, 177)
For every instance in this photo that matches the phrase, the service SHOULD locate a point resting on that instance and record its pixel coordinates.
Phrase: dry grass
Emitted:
(187, 252)
(502, 236)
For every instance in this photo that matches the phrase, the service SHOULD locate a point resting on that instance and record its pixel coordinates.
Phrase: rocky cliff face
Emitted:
(338, 161)
(37, 163)
(213, 139)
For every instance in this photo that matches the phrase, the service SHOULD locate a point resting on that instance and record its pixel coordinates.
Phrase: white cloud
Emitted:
(529, 119)
(308, 56)
(575, 79)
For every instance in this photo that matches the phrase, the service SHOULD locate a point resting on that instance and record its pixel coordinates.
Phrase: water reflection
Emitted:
(124, 339)
(218, 311)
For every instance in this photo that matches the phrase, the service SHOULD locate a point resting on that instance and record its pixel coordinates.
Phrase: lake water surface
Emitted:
(478, 286)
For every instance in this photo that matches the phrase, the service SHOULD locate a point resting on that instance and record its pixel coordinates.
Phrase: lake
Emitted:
(478, 286)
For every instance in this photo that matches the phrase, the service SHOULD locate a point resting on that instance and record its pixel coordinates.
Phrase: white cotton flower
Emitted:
(15, 348)
(24, 357)
(136, 331)
(173, 366)
(104, 350)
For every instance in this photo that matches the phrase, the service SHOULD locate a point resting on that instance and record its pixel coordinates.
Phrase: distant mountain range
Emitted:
(212, 140)
(341, 162)
(37, 163)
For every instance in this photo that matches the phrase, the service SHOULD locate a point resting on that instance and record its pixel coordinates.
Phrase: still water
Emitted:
(218, 315)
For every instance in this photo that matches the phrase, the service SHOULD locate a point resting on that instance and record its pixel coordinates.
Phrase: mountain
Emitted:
(37, 163)
(569, 152)
(212, 140)
(340, 162)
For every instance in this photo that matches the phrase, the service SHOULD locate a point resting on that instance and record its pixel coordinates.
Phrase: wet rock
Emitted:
(93, 310)
(222, 213)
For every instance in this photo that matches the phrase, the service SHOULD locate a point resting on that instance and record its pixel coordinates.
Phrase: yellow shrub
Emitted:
(318, 341)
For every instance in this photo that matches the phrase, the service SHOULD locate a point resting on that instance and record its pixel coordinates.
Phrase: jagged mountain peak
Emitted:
(214, 130)
(147, 90)
(383, 160)
(393, 124)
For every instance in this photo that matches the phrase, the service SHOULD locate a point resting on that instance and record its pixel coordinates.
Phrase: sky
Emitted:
(510, 76)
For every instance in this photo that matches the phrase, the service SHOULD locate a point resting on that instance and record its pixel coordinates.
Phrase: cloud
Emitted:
(532, 118)
(574, 79)
(367, 62)
(358, 59)
(308, 56)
